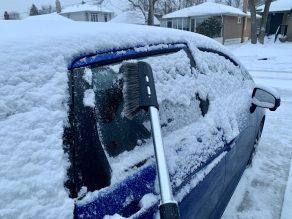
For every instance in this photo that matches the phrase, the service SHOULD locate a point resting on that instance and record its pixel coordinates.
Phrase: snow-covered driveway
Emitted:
(260, 193)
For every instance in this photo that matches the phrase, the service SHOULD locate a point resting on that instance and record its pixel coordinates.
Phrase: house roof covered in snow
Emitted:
(205, 9)
(84, 7)
(132, 17)
(279, 5)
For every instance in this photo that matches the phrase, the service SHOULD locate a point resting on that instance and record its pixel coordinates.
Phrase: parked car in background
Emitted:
(77, 152)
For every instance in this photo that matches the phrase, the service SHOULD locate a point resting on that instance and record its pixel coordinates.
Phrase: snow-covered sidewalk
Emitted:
(286, 209)
(261, 191)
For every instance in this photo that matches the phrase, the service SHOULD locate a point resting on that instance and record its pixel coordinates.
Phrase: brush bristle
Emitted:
(131, 89)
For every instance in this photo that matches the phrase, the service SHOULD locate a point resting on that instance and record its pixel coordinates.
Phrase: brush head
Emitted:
(131, 89)
(138, 88)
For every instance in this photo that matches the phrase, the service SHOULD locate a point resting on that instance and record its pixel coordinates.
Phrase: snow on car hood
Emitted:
(33, 104)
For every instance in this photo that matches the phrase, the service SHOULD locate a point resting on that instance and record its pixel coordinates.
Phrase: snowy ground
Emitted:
(261, 191)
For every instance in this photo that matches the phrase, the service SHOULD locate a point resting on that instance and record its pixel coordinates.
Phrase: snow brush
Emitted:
(139, 93)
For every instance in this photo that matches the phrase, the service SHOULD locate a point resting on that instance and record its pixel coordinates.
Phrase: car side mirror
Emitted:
(265, 98)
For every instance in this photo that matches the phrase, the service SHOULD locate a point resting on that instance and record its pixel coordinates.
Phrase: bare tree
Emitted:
(168, 6)
(253, 21)
(46, 9)
(237, 3)
(58, 6)
(233, 3)
(147, 8)
(33, 10)
(228, 2)
(264, 21)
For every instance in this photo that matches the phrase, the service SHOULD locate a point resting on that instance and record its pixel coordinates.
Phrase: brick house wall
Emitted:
(232, 29)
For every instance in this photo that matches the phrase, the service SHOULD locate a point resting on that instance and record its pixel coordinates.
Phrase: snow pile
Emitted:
(207, 8)
(33, 105)
(267, 57)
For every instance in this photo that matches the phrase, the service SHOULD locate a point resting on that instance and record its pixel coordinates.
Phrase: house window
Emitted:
(105, 18)
(239, 20)
(94, 17)
(169, 24)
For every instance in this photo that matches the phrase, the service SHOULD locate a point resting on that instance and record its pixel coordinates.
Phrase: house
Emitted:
(133, 17)
(280, 15)
(87, 12)
(224, 23)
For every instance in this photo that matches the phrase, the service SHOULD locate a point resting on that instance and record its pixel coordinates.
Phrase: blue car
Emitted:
(212, 116)
(67, 148)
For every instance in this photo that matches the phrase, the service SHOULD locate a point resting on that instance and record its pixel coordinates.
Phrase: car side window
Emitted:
(225, 81)
(119, 134)
(116, 132)
(196, 121)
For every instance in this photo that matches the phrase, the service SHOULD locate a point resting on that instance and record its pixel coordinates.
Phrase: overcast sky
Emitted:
(22, 6)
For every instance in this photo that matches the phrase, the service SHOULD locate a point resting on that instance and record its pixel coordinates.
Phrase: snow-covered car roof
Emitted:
(205, 9)
(33, 105)
(279, 5)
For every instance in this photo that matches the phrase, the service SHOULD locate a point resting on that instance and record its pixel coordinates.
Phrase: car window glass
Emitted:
(119, 134)
(227, 87)
(195, 118)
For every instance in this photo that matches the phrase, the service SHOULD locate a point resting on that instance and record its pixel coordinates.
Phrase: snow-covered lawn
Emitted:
(261, 190)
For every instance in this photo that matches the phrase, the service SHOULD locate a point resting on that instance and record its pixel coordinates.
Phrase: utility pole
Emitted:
(244, 21)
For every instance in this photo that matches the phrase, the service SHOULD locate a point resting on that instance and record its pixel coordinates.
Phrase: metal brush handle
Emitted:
(168, 208)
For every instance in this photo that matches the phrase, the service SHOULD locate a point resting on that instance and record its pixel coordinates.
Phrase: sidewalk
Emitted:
(287, 203)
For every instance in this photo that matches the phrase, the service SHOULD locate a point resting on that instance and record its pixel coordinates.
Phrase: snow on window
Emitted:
(88, 99)
(88, 75)
(187, 134)
(34, 105)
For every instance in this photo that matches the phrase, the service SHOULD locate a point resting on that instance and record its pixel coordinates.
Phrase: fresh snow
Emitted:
(264, 191)
(33, 105)
(286, 210)
(278, 5)
(33, 111)
(205, 9)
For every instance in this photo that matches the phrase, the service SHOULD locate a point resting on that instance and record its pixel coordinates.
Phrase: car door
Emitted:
(233, 86)
(114, 168)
